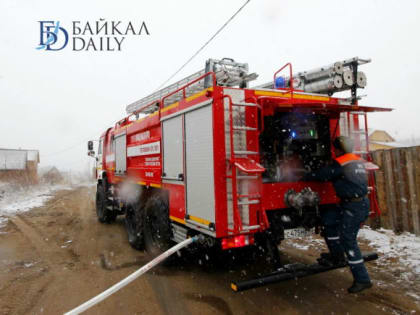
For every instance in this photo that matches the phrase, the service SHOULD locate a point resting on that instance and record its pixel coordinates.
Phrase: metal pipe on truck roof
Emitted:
(348, 78)
(323, 72)
(361, 79)
(326, 85)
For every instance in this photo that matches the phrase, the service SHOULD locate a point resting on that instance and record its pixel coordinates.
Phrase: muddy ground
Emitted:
(55, 257)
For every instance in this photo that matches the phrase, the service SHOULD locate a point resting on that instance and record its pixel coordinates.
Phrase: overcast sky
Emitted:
(55, 101)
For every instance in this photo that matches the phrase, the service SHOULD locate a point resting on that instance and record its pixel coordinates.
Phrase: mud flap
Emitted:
(292, 271)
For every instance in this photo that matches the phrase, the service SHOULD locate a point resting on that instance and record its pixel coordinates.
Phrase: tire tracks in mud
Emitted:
(106, 264)
(99, 256)
(169, 298)
(48, 252)
(71, 216)
(44, 247)
(215, 302)
(161, 282)
(387, 300)
(22, 280)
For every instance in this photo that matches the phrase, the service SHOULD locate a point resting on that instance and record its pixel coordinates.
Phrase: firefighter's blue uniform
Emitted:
(349, 178)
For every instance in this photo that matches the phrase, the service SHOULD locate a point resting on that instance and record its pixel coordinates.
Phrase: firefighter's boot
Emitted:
(359, 286)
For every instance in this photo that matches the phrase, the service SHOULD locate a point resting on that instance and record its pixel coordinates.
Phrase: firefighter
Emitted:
(342, 223)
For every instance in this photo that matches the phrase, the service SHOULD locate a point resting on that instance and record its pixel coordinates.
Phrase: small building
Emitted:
(52, 176)
(19, 165)
(382, 140)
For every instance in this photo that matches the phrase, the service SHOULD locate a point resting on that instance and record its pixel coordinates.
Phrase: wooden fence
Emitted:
(398, 189)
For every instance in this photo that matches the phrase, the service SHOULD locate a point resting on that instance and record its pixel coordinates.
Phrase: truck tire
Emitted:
(134, 224)
(157, 227)
(104, 215)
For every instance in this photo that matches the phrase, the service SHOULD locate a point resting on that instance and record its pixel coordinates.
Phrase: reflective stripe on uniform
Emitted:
(333, 238)
(354, 262)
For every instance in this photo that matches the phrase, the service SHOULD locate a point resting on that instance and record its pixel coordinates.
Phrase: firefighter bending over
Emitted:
(342, 223)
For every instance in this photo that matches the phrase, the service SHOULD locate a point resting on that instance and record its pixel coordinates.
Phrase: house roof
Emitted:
(15, 159)
(393, 144)
(371, 131)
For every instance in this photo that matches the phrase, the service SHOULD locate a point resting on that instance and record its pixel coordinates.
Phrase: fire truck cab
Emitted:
(210, 155)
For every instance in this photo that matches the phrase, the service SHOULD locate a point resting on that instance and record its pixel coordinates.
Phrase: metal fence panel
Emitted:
(13, 159)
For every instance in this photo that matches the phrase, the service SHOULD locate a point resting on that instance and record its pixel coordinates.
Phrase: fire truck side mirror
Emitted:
(90, 145)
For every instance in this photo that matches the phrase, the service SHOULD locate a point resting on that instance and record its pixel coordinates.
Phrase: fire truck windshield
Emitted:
(292, 143)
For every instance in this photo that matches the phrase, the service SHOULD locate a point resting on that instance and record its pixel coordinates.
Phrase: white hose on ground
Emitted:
(100, 297)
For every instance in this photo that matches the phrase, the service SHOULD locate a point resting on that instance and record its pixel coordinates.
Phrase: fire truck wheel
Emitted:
(157, 228)
(134, 224)
(104, 215)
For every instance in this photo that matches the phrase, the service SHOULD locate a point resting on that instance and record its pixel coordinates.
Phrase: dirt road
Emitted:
(55, 257)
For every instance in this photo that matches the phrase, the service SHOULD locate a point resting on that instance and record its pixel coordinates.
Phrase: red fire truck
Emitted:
(210, 155)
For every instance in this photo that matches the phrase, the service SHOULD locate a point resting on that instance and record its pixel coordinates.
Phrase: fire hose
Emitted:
(102, 296)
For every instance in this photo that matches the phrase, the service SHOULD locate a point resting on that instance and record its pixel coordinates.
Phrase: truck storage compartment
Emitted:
(293, 142)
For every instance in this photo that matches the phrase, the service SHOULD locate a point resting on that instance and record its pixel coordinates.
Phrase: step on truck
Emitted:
(211, 155)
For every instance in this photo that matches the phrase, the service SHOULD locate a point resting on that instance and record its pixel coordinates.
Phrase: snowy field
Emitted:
(16, 198)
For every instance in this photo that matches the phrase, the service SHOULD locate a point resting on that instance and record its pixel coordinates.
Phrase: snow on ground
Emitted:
(399, 256)
(404, 247)
(3, 222)
(307, 242)
(15, 198)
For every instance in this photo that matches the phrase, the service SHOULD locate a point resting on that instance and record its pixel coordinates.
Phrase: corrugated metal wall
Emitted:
(19, 165)
(13, 159)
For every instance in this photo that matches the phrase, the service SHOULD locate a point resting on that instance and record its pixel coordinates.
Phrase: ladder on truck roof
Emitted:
(227, 72)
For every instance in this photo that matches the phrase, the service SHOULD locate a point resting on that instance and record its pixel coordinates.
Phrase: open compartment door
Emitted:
(249, 166)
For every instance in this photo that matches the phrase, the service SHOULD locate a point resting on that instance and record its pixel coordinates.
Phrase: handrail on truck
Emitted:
(144, 107)
(290, 76)
(162, 103)
(162, 100)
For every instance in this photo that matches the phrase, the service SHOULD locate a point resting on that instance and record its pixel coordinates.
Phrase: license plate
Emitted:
(298, 233)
